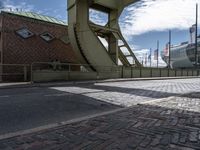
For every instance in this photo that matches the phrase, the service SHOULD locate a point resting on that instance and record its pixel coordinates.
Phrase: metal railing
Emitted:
(24, 72)
(80, 71)
(57, 66)
(14, 72)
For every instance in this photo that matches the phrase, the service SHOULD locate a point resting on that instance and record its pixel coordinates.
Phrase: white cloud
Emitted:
(158, 15)
(143, 56)
(98, 17)
(9, 5)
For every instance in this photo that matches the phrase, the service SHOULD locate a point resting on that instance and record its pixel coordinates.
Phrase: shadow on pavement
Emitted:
(131, 91)
(22, 109)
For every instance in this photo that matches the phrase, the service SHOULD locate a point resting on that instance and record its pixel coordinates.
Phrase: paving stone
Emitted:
(180, 147)
(193, 137)
(146, 141)
(156, 140)
(165, 139)
(199, 135)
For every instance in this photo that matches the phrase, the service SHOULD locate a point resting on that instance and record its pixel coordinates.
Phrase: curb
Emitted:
(53, 84)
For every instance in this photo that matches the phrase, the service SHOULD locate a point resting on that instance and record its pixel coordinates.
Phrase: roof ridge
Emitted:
(37, 16)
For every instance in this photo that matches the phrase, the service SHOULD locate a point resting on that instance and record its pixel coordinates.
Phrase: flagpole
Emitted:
(157, 52)
(169, 49)
(196, 34)
(150, 57)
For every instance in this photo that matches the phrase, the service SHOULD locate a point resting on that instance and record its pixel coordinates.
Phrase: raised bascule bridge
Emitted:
(84, 35)
(98, 60)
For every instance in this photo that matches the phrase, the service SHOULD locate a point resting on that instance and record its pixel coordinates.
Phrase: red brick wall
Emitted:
(17, 50)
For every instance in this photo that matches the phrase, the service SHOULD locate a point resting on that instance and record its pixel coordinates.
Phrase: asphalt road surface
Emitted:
(27, 108)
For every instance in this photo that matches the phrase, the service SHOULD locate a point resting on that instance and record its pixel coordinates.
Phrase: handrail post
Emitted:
(32, 73)
(168, 72)
(131, 71)
(1, 72)
(160, 72)
(175, 72)
(122, 71)
(25, 73)
(69, 72)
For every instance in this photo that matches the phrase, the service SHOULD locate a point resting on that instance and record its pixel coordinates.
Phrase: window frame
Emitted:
(48, 41)
(24, 28)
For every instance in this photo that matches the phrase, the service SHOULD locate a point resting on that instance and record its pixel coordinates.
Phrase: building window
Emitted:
(47, 37)
(24, 33)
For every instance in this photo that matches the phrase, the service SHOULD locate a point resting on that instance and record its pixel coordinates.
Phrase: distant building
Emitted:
(27, 37)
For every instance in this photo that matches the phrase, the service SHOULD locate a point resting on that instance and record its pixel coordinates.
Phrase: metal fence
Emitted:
(70, 67)
(54, 71)
(14, 72)
(43, 71)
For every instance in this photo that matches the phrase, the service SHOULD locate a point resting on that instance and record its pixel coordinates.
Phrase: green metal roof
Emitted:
(39, 17)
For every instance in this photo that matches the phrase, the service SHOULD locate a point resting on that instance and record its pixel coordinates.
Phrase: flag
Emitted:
(166, 50)
(156, 54)
(192, 33)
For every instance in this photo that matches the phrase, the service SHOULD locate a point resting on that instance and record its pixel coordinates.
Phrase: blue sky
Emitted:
(142, 23)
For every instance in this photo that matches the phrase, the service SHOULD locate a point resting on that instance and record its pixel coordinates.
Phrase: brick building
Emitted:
(28, 37)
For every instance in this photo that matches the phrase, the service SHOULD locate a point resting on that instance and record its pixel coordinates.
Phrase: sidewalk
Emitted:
(173, 123)
(49, 84)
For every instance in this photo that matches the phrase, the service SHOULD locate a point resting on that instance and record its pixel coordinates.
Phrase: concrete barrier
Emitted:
(184, 73)
(127, 72)
(122, 72)
(82, 76)
(172, 73)
(155, 72)
(195, 73)
(108, 75)
(178, 73)
(146, 72)
(46, 75)
(136, 73)
(190, 73)
(164, 72)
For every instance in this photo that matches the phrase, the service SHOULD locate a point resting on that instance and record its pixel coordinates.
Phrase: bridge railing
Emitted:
(14, 72)
(56, 71)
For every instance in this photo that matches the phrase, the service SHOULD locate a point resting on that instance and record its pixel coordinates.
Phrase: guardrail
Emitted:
(14, 72)
(43, 71)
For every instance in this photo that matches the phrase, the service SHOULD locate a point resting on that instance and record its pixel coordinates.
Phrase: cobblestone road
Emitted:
(172, 123)
(133, 92)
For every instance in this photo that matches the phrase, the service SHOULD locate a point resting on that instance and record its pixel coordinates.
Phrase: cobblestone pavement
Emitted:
(130, 93)
(169, 124)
